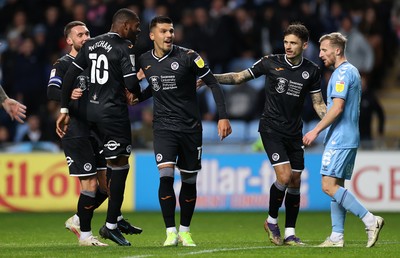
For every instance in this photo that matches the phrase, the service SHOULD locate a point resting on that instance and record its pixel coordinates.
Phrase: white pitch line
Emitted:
(227, 249)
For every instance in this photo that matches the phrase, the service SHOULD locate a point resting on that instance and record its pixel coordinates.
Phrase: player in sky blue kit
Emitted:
(341, 141)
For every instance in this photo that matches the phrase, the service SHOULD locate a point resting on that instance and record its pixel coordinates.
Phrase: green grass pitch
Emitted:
(217, 234)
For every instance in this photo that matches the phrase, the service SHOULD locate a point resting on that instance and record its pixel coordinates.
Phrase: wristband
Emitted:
(64, 110)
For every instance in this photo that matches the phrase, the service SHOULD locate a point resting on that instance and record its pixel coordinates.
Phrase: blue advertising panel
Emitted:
(230, 182)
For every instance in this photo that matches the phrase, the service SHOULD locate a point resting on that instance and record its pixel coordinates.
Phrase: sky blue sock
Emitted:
(346, 199)
(338, 216)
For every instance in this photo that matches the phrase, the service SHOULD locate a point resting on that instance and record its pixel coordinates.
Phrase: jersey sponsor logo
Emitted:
(281, 85)
(174, 66)
(305, 75)
(69, 161)
(94, 99)
(327, 157)
(128, 148)
(112, 145)
(53, 73)
(199, 62)
(279, 69)
(339, 86)
(155, 83)
(159, 157)
(275, 156)
(147, 67)
(83, 82)
(87, 167)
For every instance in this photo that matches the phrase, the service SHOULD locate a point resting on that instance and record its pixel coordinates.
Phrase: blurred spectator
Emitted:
(358, 50)
(34, 133)
(96, 16)
(142, 133)
(8, 60)
(33, 81)
(369, 107)
(4, 135)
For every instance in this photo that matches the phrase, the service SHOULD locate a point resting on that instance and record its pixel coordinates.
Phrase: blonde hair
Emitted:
(336, 39)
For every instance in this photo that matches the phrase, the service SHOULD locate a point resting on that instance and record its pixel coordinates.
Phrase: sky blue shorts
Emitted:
(338, 163)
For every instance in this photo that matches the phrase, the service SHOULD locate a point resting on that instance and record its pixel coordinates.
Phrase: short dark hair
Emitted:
(69, 26)
(298, 30)
(123, 15)
(159, 20)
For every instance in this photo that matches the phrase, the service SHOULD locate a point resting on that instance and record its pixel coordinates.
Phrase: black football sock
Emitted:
(187, 201)
(100, 197)
(292, 205)
(86, 206)
(117, 188)
(276, 199)
(167, 199)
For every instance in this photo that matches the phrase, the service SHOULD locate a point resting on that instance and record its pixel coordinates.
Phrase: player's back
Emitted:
(109, 58)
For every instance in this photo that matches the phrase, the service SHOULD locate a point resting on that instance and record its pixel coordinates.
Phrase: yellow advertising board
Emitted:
(41, 182)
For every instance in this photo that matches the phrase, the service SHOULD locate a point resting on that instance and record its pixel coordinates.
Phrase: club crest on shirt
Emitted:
(281, 85)
(83, 82)
(155, 83)
(339, 86)
(174, 66)
(199, 62)
(305, 75)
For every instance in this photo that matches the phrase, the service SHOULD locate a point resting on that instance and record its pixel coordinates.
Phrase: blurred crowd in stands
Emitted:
(230, 35)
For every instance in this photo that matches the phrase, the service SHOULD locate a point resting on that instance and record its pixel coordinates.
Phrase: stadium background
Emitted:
(230, 35)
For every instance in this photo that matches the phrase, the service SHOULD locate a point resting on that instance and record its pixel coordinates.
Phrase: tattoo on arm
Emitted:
(319, 104)
(3, 95)
(233, 78)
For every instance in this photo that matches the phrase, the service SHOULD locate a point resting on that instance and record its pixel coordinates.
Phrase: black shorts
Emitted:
(281, 150)
(181, 149)
(80, 156)
(115, 138)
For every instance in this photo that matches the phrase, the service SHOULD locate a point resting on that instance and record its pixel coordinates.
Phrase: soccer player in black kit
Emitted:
(82, 151)
(109, 59)
(288, 78)
(172, 72)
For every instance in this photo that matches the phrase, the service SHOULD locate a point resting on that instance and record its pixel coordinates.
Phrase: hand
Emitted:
(15, 109)
(62, 124)
(309, 137)
(140, 75)
(199, 83)
(131, 98)
(76, 93)
(224, 128)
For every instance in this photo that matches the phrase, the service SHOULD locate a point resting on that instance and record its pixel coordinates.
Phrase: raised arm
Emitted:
(234, 78)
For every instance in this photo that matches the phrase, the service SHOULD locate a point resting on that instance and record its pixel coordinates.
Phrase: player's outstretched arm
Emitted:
(224, 128)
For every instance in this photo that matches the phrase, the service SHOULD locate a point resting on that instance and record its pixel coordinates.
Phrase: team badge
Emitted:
(275, 157)
(159, 157)
(305, 75)
(327, 157)
(155, 83)
(69, 161)
(87, 167)
(82, 82)
(339, 86)
(199, 62)
(281, 85)
(174, 66)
